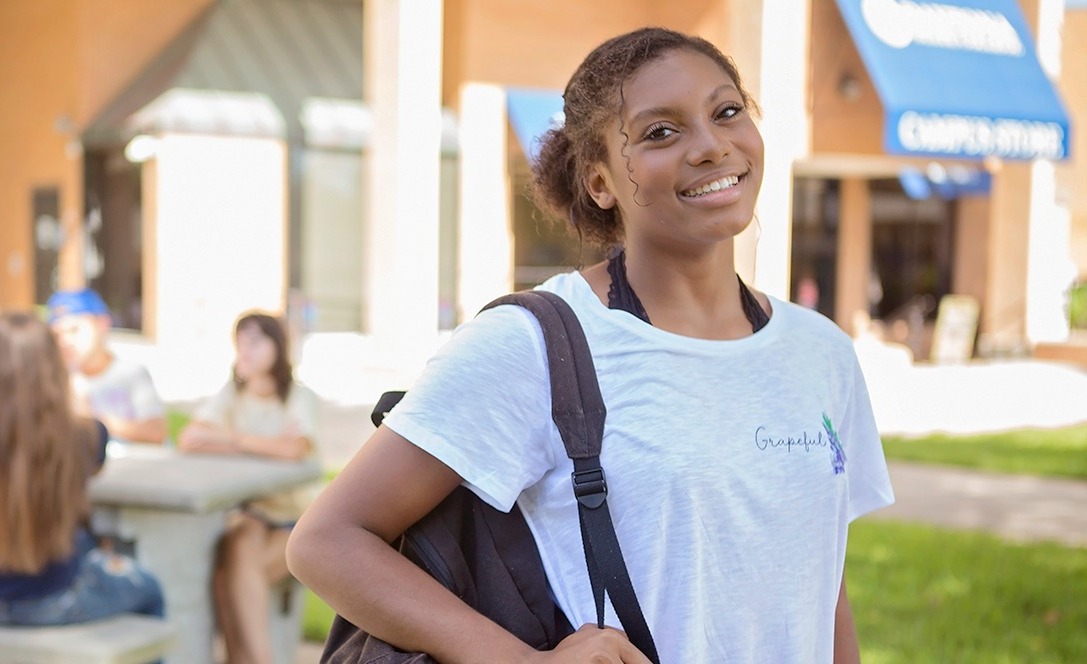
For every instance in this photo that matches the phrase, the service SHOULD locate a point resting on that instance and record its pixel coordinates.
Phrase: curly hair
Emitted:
(592, 99)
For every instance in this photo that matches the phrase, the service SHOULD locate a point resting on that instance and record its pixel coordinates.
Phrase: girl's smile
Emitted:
(717, 192)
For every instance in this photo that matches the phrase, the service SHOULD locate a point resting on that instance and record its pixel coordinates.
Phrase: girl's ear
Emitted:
(599, 187)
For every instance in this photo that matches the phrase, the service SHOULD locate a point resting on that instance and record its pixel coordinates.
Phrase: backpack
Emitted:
(488, 558)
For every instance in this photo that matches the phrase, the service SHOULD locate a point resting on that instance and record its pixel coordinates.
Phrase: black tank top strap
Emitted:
(752, 309)
(622, 297)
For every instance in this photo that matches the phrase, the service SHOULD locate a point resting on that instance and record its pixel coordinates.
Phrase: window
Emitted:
(113, 233)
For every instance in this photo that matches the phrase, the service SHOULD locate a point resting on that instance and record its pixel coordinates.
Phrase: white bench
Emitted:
(122, 639)
(285, 619)
(173, 508)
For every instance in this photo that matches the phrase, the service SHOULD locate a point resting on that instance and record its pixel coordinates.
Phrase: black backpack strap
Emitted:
(577, 408)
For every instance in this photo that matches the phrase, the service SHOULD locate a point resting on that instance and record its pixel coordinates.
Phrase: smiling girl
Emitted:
(736, 550)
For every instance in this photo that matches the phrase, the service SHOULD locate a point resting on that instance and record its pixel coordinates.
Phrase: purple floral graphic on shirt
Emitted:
(835, 446)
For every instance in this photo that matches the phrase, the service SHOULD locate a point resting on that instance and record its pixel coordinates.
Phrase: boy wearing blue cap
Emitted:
(115, 391)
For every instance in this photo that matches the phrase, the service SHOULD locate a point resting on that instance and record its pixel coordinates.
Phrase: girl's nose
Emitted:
(709, 144)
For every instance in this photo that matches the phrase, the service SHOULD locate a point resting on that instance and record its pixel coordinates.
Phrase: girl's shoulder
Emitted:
(809, 322)
(302, 394)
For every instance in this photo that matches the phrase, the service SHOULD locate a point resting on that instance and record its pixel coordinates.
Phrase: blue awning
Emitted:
(946, 183)
(958, 78)
(532, 113)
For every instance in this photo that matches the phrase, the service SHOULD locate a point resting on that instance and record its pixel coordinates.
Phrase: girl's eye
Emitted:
(657, 132)
(729, 111)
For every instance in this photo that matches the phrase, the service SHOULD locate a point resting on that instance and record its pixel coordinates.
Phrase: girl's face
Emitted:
(256, 353)
(685, 159)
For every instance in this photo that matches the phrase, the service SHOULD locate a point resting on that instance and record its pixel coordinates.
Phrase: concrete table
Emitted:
(173, 508)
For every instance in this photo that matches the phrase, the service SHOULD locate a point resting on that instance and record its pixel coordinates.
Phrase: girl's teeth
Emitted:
(716, 185)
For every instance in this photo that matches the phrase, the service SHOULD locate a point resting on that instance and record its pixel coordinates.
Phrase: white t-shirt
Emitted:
(268, 417)
(733, 467)
(124, 391)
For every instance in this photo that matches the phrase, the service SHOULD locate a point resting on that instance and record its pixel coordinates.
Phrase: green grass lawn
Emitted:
(921, 594)
(316, 618)
(1055, 452)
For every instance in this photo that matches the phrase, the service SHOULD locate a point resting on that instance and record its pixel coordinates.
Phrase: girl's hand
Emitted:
(592, 645)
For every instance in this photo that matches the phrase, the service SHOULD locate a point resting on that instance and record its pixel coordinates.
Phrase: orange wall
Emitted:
(841, 124)
(119, 38)
(60, 62)
(39, 72)
(539, 43)
(1072, 175)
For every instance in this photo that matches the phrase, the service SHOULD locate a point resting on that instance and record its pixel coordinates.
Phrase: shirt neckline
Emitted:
(630, 323)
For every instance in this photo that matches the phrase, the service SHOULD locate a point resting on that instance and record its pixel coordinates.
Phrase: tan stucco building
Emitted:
(353, 162)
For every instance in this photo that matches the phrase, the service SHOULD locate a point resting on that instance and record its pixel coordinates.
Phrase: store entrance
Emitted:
(912, 248)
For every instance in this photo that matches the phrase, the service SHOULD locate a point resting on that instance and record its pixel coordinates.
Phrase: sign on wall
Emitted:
(958, 78)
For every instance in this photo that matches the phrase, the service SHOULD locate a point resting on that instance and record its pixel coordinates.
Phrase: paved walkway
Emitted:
(1018, 507)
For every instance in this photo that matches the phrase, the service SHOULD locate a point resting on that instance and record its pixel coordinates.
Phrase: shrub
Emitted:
(1077, 306)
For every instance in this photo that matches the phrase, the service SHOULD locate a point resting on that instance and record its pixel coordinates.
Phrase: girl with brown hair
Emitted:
(261, 411)
(50, 571)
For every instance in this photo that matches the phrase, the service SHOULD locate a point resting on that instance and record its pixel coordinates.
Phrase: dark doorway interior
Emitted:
(48, 234)
(113, 242)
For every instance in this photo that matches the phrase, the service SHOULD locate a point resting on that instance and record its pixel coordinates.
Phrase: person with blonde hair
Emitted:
(50, 570)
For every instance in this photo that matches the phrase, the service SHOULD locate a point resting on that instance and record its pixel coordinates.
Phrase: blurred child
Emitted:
(50, 572)
(118, 392)
(261, 411)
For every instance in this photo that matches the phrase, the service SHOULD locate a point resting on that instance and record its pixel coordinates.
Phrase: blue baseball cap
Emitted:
(82, 301)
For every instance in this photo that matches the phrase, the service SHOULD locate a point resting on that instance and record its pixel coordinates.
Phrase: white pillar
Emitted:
(403, 88)
(216, 254)
(1050, 268)
(486, 234)
(764, 250)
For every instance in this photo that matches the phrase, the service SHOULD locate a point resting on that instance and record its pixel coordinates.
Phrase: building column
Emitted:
(403, 88)
(970, 263)
(772, 57)
(1003, 312)
(485, 263)
(1050, 268)
(854, 265)
(1030, 265)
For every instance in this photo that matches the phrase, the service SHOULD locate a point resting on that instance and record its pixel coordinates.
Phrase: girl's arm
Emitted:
(151, 430)
(340, 549)
(205, 437)
(846, 645)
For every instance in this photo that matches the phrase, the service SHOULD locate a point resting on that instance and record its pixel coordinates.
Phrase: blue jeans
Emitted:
(105, 585)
